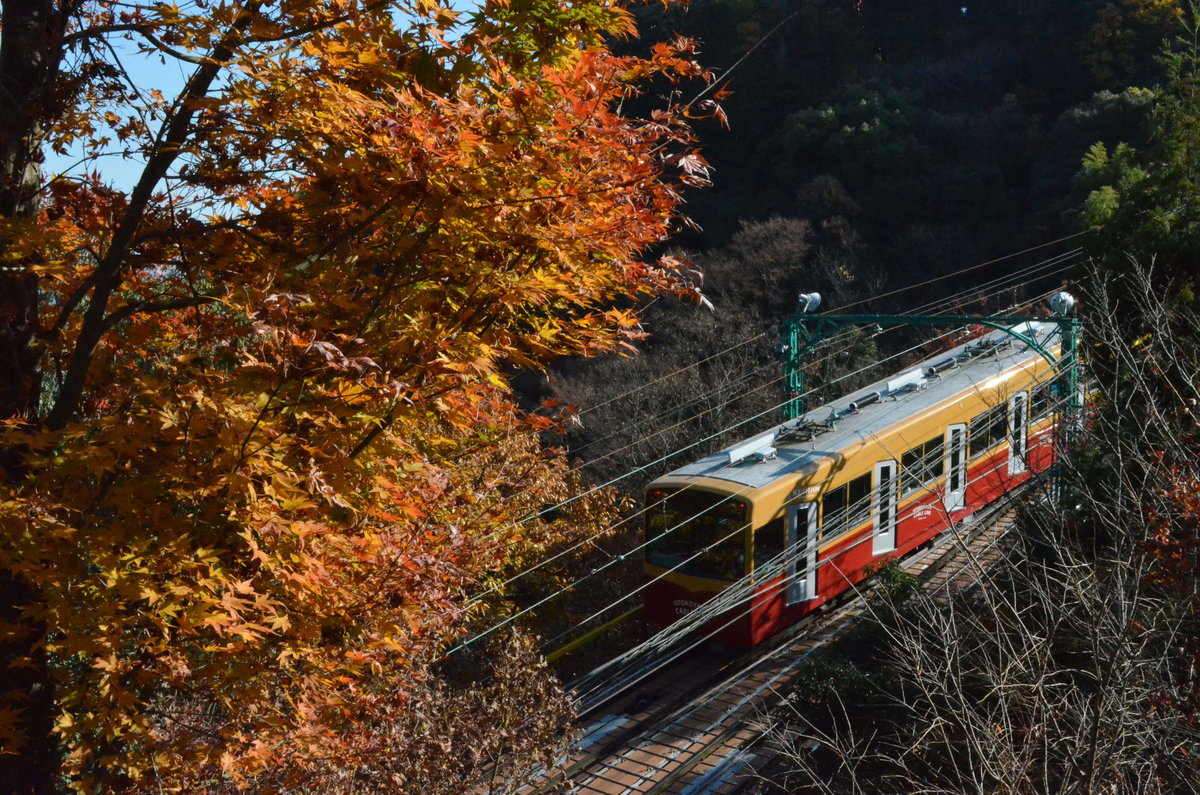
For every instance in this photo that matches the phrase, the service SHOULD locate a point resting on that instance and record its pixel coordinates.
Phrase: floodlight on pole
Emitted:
(809, 303)
(1061, 303)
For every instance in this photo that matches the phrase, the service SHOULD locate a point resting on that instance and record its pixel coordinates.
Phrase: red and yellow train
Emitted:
(796, 516)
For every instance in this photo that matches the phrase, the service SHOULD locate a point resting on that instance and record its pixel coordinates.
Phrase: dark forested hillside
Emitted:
(869, 145)
(873, 146)
(954, 127)
(1074, 666)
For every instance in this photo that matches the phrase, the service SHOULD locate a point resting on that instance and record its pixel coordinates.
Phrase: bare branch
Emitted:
(175, 131)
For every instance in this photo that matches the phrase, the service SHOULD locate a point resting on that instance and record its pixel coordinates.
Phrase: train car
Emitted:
(780, 524)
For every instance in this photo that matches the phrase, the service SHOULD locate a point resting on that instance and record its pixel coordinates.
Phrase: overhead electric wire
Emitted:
(642, 422)
(961, 271)
(998, 283)
(648, 384)
(846, 332)
(843, 308)
(509, 619)
(949, 301)
(743, 591)
(619, 478)
(603, 531)
(622, 557)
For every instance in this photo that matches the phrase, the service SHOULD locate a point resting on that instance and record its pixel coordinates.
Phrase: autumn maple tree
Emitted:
(257, 447)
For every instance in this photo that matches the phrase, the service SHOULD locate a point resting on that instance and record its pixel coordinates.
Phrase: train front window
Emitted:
(696, 532)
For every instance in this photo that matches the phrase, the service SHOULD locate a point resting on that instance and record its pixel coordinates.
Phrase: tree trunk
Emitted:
(30, 54)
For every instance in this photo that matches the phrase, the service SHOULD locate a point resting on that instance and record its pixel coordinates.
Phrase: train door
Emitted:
(956, 467)
(1018, 430)
(884, 508)
(802, 552)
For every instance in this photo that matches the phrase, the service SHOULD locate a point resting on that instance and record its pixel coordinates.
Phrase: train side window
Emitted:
(768, 542)
(935, 458)
(921, 465)
(977, 433)
(833, 511)
(1043, 400)
(910, 470)
(847, 506)
(988, 429)
(860, 500)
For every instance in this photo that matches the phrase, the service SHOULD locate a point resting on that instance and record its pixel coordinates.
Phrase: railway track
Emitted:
(691, 729)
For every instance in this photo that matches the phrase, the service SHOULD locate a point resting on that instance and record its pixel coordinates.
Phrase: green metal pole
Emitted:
(793, 373)
(798, 339)
(1069, 418)
(1069, 366)
(1066, 364)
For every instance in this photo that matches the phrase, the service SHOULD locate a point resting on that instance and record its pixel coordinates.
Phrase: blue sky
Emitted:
(148, 71)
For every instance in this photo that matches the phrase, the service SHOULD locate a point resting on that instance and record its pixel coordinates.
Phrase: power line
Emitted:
(693, 365)
(605, 530)
(844, 307)
(637, 470)
(593, 573)
(741, 592)
(948, 301)
(962, 271)
(623, 556)
(659, 415)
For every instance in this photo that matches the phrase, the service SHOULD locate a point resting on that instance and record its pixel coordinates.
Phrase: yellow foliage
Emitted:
(276, 454)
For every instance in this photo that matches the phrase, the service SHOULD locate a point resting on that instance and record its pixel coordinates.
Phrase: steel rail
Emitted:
(664, 720)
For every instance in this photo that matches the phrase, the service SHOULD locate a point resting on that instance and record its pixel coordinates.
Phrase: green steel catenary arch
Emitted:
(803, 331)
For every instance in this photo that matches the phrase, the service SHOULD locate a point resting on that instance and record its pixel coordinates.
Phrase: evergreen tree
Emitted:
(1144, 205)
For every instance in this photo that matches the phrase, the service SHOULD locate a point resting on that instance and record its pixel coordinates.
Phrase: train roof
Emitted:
(826, 431)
